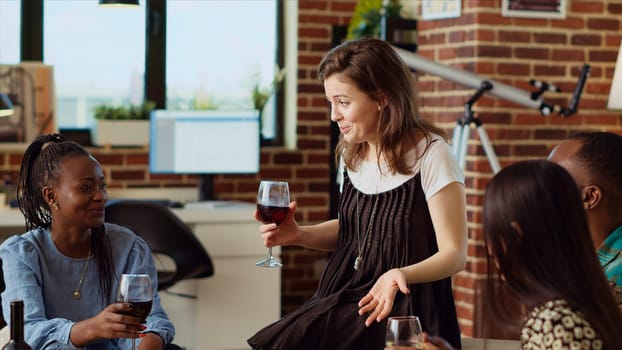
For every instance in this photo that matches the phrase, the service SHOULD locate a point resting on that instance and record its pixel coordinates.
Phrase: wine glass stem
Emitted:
(269, 258)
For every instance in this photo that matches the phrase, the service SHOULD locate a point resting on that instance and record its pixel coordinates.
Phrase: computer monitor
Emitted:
(204, 142)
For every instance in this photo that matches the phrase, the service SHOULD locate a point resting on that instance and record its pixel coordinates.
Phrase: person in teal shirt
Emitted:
(594, 160)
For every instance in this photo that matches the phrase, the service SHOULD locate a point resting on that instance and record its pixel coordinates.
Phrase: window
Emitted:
(9, 31)
(215, 50)
(98, 55)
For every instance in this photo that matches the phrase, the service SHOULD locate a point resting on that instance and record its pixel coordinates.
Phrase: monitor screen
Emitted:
(204, 142)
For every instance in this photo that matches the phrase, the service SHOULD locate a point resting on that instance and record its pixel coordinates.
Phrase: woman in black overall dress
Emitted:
(401, 232)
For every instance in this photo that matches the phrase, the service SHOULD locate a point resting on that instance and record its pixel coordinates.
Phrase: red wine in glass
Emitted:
(273, 207)
(272, 214)
(140, 309)
(135, 289)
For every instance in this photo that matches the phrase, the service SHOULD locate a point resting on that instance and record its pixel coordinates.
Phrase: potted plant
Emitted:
(123, 125)
(368, 15)
(260, 95)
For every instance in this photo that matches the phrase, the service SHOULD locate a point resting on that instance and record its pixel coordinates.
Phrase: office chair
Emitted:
(166, 235)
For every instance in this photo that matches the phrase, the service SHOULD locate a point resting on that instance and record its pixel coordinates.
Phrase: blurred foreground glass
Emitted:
(404, 332)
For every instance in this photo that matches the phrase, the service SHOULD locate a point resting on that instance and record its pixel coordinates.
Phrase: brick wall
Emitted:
(508, 50)
(512, 51)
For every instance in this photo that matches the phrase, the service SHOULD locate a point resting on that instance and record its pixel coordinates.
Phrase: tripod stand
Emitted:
(462, 131)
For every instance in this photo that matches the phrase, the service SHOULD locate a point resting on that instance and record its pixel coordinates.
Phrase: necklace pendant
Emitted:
(357, 262)
(76, 294)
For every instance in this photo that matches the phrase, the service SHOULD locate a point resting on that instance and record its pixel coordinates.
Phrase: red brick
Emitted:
(137, 159)
(550, 38)
(569, 23)
(492, 18)
(312, 5)
(159, 177)
(603, 24)
(307, 144)
(431, 39)
(567, 55)
(287, 158)
(457, 36)
(586, 7)
(313, 33)
(532, 53)
(586, 40)
(514, 36)
(603, 56)
(549, 70)
(485, 35)
(313, 18)
(343, 6)
(494, 51)
(127, 174)
(281, 173)
(514, 69)
(314, 173)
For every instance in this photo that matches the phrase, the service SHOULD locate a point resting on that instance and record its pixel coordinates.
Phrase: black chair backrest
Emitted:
(165, 234)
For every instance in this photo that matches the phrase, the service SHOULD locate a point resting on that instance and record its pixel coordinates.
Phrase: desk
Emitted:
(231, 305)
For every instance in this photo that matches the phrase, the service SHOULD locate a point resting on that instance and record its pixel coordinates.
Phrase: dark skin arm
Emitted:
(110, 324)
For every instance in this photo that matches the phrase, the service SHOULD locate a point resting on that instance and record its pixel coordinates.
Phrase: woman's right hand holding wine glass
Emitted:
(135, 291)
(111, 323)
(272, 208)
(283, 234)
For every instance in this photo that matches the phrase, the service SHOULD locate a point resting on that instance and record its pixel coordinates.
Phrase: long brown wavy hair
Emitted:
(377, 70)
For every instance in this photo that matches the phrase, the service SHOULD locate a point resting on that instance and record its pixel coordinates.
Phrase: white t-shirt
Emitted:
(438, 167)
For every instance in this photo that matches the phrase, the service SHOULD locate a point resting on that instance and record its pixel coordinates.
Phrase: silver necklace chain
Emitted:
(361, 245)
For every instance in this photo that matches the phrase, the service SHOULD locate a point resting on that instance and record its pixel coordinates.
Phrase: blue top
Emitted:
(610, 256)
(36, 272)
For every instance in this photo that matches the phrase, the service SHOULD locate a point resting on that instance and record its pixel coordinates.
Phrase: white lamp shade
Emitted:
(615, 95)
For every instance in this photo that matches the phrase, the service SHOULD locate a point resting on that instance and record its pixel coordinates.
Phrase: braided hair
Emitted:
(40, 167)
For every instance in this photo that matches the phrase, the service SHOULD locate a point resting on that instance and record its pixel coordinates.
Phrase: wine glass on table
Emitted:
(404, 332)
(273, 207)
(135, 290)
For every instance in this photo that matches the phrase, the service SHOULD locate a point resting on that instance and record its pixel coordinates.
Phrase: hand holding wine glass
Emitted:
(273, 207)
(135, 290)
(404, 332)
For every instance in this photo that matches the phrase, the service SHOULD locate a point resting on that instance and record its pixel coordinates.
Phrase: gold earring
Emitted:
(54, 205)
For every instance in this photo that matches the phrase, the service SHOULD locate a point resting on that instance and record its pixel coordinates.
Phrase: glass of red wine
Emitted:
(135, 289)
(273, 207)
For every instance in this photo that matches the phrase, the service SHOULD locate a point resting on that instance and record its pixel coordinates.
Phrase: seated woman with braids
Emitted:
(67, 266)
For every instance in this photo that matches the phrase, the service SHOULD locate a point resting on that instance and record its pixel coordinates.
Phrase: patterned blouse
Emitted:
(557, 325)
